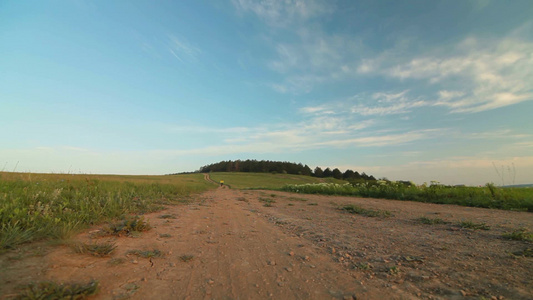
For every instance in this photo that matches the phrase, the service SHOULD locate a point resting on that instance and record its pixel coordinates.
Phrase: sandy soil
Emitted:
(302, 247)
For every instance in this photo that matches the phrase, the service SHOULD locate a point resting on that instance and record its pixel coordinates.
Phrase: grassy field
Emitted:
(488, 196)
(44, 206)
(266, 180)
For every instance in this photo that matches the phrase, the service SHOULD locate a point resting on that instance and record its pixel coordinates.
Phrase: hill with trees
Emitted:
(267, 166)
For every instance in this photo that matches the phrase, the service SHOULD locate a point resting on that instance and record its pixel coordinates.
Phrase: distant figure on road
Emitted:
(221, 182)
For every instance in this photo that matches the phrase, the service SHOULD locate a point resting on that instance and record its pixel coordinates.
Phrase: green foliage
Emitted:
(354, 209)
(521, 234)
(37, 206)
(487, 197)
(96, 249)
(52, 290)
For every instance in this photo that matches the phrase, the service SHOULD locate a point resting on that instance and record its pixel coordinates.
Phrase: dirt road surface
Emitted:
(226, 244)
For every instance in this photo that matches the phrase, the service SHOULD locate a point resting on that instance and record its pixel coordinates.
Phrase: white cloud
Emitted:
(473, 76)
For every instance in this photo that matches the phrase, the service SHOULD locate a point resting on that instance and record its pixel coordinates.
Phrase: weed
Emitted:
(100, 250)
(528, 252)
(473, 225)
(165, 235)
(167, 216)
(186, 257)
(290, 204)
(430, 221)
(354, 209)
(52, 290)
(146, 253)
(521, 234)
(242, 199)
(363, 266)
(116, 261)
(267, 201)
(312, 204)
(273, 195)
(394, 270)
(128, 226)
(296, 199)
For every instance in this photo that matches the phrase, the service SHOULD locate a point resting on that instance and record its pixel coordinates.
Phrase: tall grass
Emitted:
(37, 206)
(488, 196)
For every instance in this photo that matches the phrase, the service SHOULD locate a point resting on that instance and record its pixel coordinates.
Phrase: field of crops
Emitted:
(37, 206)
(488, 196)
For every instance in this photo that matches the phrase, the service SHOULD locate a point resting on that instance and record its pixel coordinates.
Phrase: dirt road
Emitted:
(228, 245)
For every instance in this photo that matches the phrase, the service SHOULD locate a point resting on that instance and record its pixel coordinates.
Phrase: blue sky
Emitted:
(411, 90)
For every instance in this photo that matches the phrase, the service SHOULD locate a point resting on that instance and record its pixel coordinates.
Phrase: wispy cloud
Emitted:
(280, 13)
(181, 49)
(378, 104)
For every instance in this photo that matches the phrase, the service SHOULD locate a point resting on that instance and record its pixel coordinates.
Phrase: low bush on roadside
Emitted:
(127, 226)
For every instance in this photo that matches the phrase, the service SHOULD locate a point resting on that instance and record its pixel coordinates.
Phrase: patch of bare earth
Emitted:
(229, 245)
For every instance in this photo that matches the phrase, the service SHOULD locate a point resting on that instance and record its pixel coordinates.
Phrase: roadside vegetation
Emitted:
(488, 196)
(54, 206)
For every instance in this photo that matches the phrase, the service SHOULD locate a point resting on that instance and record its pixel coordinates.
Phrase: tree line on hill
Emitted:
(267, 166)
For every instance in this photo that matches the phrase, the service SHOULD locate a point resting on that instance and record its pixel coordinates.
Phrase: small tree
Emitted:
(336, 173)
(318, 172)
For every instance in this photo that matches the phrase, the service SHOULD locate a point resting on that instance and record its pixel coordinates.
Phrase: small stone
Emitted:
(210, 281)
(144, 279)
(281, 283)
(169, 252)
(271, 263)
(291, 253)
(312, 266)
(463, 293)
(256, 285)
(288, 269)
(333, 250)
(307, 258)
(135, 261)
